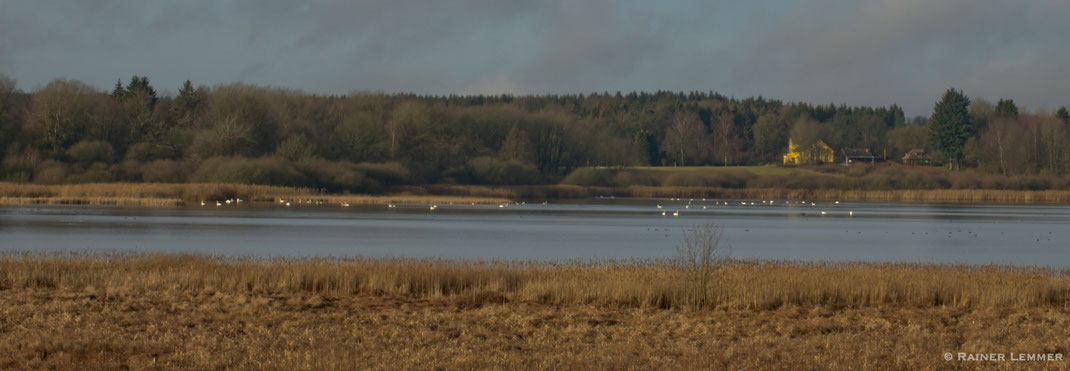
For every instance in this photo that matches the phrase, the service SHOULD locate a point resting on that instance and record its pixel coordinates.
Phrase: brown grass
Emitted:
(163, 194)
(159, 194)
(920, 195)
(206, 312)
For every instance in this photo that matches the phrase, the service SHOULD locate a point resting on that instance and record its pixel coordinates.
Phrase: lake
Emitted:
(581, 229)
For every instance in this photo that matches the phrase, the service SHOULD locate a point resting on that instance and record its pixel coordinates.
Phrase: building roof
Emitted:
(857, 152)
(916, 154)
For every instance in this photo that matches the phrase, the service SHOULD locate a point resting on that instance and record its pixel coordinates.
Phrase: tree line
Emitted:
(70, 132)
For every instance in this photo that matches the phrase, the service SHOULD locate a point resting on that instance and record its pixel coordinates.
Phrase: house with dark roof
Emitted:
(855, 155)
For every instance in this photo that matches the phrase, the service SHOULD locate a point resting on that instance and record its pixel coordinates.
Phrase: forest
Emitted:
(70, 132)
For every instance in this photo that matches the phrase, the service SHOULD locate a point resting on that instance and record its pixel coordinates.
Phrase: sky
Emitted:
(877, 53)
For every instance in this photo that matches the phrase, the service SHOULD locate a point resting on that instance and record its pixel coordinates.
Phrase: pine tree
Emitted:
(1063, 114)
(951, 125)
(1006, 108)
(139, 87)
(187, 97)
(896, 117)
(118, 92)
(646, 149)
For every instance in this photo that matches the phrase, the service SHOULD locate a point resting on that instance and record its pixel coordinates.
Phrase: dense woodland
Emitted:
(70, 132)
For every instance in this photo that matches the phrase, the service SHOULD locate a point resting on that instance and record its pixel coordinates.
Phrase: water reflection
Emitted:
(594, 228)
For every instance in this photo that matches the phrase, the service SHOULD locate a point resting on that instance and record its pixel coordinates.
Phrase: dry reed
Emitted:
(164, 194)
(918, 195)
(119, 311)
(159, 194)
(760, 285)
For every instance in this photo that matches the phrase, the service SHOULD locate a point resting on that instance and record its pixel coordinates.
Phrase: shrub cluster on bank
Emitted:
(333, 176)
(833, 177)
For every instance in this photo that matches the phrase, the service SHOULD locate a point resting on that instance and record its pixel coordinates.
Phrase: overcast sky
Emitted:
(855, 52)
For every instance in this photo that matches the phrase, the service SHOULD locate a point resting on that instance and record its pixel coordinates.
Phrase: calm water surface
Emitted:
(597, 228)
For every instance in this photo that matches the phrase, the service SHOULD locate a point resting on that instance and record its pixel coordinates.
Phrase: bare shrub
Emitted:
(699, 257)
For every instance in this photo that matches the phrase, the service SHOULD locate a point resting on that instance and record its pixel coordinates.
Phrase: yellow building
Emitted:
(816, 153)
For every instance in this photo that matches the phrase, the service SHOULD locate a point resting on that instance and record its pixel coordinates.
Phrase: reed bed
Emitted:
(120, 311)
(918, 195)
(655, 284)
(921, 195)
(161, 194)
(165, 194)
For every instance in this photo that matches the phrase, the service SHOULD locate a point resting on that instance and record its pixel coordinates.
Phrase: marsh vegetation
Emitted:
(189, 311)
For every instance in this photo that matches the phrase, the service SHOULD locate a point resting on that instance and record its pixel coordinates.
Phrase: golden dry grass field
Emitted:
(179, 311)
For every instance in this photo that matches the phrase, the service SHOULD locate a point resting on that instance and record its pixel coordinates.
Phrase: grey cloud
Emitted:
(591, 47)
(825, 51)
(904, 52)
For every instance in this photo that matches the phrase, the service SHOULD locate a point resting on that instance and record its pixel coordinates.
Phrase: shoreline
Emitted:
(974, 196)
(183, 194)
(171, 195)
(192, 311)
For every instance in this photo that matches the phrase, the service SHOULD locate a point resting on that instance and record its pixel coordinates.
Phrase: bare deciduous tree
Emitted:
(727, 141)
(685, 139)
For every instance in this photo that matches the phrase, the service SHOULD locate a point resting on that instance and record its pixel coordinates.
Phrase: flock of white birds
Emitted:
(433, 207)
(691, 202)
(229, 201)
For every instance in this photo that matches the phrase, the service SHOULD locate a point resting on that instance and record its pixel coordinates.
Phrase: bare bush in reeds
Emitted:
(699, 257)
